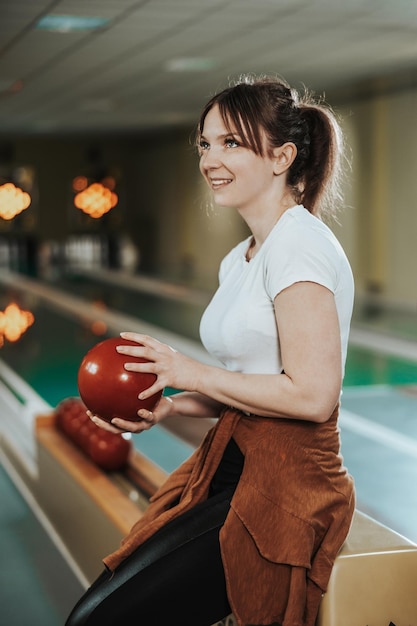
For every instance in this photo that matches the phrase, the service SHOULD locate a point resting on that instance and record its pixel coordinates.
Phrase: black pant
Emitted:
(176, 577)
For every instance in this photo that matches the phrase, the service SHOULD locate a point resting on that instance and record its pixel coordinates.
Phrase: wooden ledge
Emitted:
(121, 509)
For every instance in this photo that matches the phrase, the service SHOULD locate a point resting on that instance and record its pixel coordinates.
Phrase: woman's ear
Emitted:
(283, 157)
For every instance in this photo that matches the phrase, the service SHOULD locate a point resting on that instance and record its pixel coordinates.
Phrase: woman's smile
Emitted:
(218, 183)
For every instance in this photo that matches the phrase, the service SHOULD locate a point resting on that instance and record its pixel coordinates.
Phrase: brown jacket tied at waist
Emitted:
(289, 515)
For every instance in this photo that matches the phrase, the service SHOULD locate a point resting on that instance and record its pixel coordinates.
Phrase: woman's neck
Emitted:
(261, 223)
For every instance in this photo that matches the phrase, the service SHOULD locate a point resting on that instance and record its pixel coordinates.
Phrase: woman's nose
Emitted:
(210, 159)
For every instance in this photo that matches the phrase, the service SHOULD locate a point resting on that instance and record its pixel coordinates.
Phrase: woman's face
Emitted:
(238, 177)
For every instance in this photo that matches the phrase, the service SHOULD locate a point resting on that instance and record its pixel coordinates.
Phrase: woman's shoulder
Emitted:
(304, 249)
(301, 232)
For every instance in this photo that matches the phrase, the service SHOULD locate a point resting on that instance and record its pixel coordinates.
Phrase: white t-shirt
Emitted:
(239, 327)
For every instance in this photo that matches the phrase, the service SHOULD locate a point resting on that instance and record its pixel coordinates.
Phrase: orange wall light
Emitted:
(96, 200)
(14, 322)
(13, 201)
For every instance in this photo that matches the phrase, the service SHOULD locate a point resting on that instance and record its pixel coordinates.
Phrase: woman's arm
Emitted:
(309, 389)
(194, 404)
(310, 345)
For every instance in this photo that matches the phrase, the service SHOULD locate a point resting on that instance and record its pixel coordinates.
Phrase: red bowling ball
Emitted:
(107, 389)
(110, 451)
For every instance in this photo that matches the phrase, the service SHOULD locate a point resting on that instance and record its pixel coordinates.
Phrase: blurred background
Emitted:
(105, 225)
(114, 88)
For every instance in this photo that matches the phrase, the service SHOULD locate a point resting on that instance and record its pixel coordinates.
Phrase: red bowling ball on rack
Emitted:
(107, 389)
(110, 451)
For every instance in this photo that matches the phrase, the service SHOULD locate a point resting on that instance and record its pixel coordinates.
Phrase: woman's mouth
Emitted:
(217, 183)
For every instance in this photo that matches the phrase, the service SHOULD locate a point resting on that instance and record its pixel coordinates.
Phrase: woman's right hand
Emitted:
(162, 409)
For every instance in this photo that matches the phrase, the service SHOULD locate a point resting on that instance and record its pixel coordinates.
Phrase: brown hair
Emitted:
(256, 107)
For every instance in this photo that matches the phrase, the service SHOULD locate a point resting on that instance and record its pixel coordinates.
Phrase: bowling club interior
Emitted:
(105, 226)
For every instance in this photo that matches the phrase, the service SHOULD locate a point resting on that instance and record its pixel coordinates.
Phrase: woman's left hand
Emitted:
(146, 419)
(172, 368)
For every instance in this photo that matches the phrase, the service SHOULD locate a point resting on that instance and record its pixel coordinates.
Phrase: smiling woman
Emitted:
(234, 529)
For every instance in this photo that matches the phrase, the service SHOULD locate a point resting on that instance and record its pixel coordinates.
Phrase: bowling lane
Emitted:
(49, 354)
(366, 366)
(168, 306)
(37, 585)
(379, 445)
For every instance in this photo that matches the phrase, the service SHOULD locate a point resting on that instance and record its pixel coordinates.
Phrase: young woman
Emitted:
(252, 522)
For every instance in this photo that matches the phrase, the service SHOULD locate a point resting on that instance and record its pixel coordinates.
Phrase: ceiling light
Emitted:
(190, 64)
(70, 23)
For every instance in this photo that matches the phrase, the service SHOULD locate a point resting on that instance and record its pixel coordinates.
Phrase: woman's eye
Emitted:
(203, 145)
(230, 142)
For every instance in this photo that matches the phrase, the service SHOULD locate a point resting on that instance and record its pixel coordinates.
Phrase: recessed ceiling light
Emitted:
(190, 64)
(70, 23)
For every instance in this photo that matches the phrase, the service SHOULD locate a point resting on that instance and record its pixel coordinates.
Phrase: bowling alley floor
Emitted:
(379, 418)
(37, 587)
(379, 444)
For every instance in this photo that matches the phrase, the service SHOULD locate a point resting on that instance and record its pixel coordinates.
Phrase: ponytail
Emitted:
(320, 171)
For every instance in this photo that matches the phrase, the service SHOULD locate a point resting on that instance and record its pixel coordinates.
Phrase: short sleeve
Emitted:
(302, 255)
